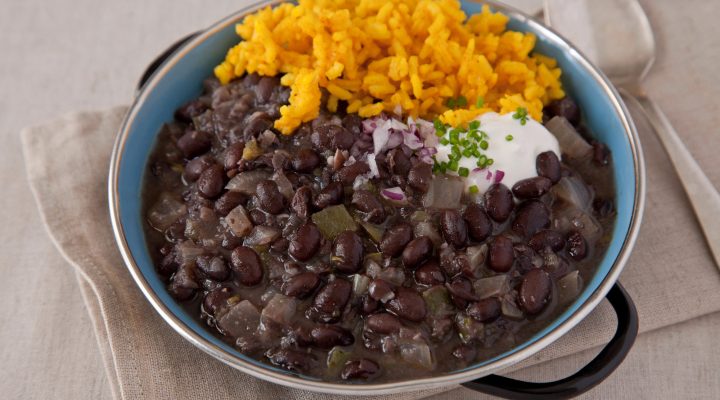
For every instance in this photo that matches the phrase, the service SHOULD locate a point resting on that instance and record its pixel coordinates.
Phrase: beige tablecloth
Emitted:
(670, 274)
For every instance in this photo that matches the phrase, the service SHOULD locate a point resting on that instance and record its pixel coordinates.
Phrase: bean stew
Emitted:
(301, 253)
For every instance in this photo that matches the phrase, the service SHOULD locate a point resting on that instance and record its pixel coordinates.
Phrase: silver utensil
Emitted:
(617, 36)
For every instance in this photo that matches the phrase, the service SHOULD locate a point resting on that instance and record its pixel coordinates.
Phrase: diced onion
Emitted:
(571, 143)
(246, 182)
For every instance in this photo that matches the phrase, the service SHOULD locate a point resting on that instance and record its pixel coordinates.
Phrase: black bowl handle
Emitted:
(157, 62)
(586, 378)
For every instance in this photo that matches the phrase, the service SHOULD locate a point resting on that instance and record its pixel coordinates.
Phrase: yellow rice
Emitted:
(380, 55)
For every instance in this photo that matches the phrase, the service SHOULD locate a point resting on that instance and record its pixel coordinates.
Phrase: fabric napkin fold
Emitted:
(670, 274)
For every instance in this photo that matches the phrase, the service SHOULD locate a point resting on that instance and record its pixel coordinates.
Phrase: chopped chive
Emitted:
(444, 142)
(467, 152)
(453, 165)
(464, 142)
(521, 114)
(474, 125)
(490, 161)
(473, 189)
(450, 103)
(479, 102)
(484, 145)
(464, 172)
(461, 101)
(509, 138)
(438, 124)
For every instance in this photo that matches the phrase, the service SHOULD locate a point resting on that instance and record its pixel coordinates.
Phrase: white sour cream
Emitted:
(514, 160)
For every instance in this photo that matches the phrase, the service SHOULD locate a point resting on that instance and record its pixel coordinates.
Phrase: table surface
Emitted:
(65, 55)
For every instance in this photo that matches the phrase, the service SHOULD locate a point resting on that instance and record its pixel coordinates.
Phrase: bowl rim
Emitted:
(293, 381)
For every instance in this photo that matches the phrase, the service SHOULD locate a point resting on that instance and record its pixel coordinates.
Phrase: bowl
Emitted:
(177, 78)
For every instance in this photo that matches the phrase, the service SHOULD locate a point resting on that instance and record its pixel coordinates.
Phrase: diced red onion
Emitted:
(372, 163)
(394, 193)
(499, 175)
(412, 141)
(396, 139)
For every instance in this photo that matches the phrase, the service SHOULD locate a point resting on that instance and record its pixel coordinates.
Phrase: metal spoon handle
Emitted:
(703, 196)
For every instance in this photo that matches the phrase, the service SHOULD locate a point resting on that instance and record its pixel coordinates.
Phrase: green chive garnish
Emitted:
(479, 102)
(484, 145)
(509, 137)
(464, 172)
(474, 125)
(461, 101)
(453, 165)
(474, 189)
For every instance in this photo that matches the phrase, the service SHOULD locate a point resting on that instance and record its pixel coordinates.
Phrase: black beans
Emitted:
(548, 165)
(328, 336)
(462, 288)
(485, 310)
(576, 245)
(195, 167)
(429, 274)
(216, 300)
(256, 124)
(420, 176)
(407, 304)
(347, 174)
(246, 265)
(332, 194)
(228, 201)
(369, 205)
(499, 202)
(383, 323)
(398, 162)
(300, 202)
(183, 283)
(264, 88)
(301, 285)
(233, 155)
(211, 181)
(534, 291)
(417, 251)
(566, 108)
(330, 300)
(194, 143)
(305, 243)
(360, 369)
(531, 217)
(453, 228)
(368, 305)
(478, 223)
(501, 254)
(190, 110)
(395, 239)
(269, 197)
(547, 238)
(332, 137)
(292, 360)
(213, 267)
(531, 187)
(380, 290)
(347, 252)
(305, 160)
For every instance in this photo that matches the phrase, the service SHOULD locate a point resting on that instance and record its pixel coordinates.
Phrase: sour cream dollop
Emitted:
(513, 147)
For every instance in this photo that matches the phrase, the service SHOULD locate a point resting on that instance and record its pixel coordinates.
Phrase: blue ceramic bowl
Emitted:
(179, 79)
